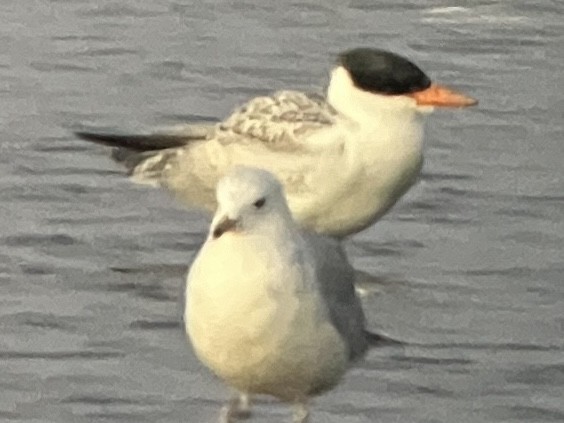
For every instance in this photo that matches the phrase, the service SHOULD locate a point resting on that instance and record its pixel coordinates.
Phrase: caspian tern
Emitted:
(344, 159)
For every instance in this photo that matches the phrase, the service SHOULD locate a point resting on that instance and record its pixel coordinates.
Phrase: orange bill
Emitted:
(441, 96)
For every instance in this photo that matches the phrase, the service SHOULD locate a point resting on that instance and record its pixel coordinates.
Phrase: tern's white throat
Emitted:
(358, 104)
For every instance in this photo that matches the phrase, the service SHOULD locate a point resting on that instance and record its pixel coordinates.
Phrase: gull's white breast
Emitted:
(261, 327)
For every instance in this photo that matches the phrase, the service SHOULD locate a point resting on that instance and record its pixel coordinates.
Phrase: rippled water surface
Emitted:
(468, 268)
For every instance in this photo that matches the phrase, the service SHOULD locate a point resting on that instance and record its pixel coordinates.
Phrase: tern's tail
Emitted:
(377, 340)
(146, 156)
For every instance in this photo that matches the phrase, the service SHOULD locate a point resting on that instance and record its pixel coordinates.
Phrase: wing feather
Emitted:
(336, 277)
(279, 122)
(189, 159)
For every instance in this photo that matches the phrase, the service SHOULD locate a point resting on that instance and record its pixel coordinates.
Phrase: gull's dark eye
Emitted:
(259, 203)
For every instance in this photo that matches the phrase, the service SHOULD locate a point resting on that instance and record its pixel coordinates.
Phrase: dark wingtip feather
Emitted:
(136, 143)
(378, 340)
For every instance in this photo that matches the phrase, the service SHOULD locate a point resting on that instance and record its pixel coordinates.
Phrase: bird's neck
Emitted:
(280, 228)
(368, 108)
(383, 125)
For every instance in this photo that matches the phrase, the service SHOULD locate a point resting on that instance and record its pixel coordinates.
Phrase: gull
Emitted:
(271, 308)
(344, 159)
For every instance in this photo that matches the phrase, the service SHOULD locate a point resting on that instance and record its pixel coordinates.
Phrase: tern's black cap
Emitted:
(383, 72)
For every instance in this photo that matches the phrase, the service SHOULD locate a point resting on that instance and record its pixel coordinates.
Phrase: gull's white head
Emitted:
(249, 200)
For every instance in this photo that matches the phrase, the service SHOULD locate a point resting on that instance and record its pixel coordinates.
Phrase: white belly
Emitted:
(260, 336)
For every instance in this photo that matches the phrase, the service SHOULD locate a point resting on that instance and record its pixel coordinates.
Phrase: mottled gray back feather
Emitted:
(279, 122)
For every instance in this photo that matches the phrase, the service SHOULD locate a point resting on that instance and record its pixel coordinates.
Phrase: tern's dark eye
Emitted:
(259, 203)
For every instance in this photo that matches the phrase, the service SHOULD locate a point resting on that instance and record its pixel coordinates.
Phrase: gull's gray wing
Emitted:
(336, 276)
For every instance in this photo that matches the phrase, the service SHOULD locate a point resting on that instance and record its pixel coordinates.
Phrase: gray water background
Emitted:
(468, 267)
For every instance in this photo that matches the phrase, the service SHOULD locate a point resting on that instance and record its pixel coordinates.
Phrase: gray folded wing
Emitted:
(268, 132)
(275, 122)
(336, 283)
